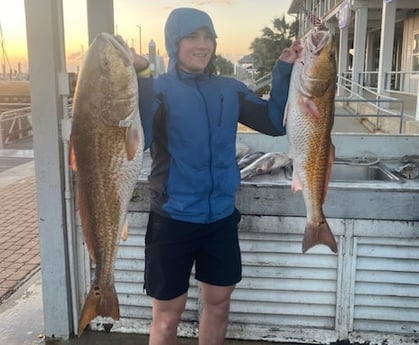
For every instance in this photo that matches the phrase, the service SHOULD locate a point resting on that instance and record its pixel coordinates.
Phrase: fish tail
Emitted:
(319, 234)
(101, 301)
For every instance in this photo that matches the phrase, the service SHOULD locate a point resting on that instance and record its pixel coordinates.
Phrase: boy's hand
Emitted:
(292, 53)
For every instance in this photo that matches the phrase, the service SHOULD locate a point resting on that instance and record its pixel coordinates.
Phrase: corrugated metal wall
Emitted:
(386, 291)
(281, 286)
(370, 286)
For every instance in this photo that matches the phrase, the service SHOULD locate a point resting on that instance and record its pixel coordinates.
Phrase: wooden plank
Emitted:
(389, 252)
(288, 284)
(387, 314)
(276, 259)
(403, 302)
(392, 265)
(375, 289)
(285, 309)
(279, 296)
(388, 332)
(382, 229)
(291, 272)
(279, 321)
(384, 277)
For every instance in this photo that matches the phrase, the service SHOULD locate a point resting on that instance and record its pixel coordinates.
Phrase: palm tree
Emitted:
(267, 48)
(223, 66)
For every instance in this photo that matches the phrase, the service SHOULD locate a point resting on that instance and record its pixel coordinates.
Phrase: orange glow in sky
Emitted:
(237, 22)
(13, 38)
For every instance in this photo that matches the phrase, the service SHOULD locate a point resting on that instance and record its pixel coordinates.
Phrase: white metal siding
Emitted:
(369, 290)
(387, 280)
(281, 286)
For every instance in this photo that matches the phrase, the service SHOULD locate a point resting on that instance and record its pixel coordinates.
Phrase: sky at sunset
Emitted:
(237, 23)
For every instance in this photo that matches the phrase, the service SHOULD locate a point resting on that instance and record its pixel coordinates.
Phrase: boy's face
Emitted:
(195, 51)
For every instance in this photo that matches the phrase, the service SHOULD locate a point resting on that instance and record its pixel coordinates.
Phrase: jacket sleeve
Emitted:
(148, 106)
(267, 116)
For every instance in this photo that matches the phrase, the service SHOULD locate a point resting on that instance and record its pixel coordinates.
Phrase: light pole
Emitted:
(139, 35)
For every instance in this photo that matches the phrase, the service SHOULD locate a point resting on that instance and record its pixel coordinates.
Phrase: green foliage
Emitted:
(223, 66)
(267, 48)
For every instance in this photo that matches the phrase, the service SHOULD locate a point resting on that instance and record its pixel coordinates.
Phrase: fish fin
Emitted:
(124, 232)
(309, 107)
(296, 183)
(331, 158)
(284, 122)
(132, 141)
(319, 234)
(72, 156)
(101, 301)
(88, 234)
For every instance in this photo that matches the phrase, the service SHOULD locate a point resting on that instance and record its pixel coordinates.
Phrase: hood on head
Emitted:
(180, 23)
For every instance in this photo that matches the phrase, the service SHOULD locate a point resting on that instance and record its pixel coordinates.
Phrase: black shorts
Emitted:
(172, 247)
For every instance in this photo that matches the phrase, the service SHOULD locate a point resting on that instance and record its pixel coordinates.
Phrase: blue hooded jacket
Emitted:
(192, 125)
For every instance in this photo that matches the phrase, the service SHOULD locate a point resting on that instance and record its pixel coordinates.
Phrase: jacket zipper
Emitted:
(220, 119)
(210, 148)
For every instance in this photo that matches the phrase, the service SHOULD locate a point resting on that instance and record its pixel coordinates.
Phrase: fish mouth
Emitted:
(111, 62)
(119, 45)
(318, 53)
(318, 39)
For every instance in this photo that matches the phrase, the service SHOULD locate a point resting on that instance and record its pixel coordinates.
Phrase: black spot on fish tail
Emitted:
(319, 234)
(101, 301)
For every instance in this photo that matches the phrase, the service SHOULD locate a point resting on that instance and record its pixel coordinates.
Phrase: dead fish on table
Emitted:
(241, 149)
(106, 149)
(269, 163)
(409, 171)
(249, 158)
(410, 159)
(309, 121)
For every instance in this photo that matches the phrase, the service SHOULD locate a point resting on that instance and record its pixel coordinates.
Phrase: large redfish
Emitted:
(106, 149)
(309, 120)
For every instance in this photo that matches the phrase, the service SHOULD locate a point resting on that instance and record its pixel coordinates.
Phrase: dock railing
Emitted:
(394, 81)
(364, 102)
(358, 100)
(260, 83)
(15, 125)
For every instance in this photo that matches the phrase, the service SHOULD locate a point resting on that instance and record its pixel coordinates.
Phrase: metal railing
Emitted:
(15, 125)
(394, 81)
(366, 102)
(359, 100)
(260, 83)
